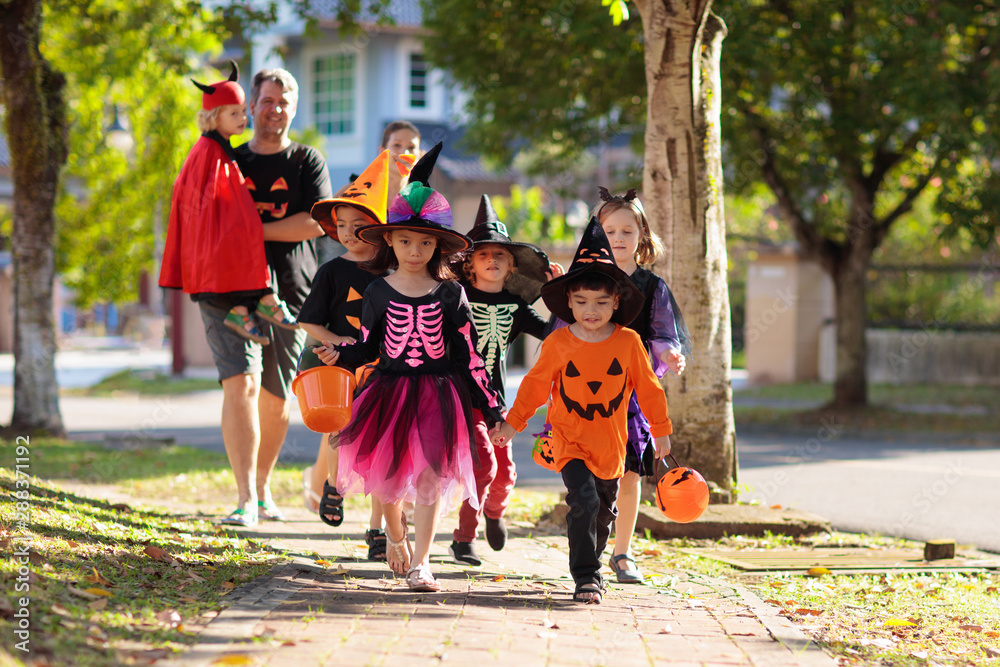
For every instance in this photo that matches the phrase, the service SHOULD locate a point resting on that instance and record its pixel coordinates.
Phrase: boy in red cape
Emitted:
(215, 239)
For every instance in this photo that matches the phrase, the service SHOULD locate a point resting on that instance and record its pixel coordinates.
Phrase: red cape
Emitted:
(215, 238)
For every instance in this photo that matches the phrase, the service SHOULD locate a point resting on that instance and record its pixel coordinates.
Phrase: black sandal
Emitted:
(331, 506)
(593, 591)
(376, 540)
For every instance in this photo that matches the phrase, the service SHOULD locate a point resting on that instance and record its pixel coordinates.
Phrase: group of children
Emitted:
(427, 314)
(428, 428)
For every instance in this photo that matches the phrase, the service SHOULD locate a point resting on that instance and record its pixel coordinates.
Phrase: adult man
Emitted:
(285, 179)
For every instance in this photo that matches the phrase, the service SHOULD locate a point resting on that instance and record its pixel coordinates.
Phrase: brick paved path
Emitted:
(514, 610)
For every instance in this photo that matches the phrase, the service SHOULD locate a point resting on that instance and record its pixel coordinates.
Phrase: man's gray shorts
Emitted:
(235, 355)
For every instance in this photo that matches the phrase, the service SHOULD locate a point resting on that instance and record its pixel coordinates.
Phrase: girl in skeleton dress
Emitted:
(501, 278)
(410, 435)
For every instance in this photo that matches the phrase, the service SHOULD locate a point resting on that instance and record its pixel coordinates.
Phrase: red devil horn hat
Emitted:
(223, 92)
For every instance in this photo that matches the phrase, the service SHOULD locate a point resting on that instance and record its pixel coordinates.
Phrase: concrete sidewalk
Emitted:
(516, 609)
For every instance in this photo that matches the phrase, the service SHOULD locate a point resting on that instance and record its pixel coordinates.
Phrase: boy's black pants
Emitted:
(592, 511)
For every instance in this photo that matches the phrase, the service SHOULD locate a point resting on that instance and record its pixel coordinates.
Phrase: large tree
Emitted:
(849, 111)
(35, 125)
(60, 78)
(559, 74)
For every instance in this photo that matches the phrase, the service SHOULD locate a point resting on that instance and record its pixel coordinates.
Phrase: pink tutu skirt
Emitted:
(410, 438)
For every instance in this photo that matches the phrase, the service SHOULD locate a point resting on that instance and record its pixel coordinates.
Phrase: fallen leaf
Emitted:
(324, 563)
(169, 617)
(156, 553)
(817, 571)
(188, 599)
(192, 575)
(992, 634)
(234, 659)
(98, 591)
(71, 544)
(228, 585)
(98, 605)
(776, 603)
(776, 507)
(971, 627)
(96, 578)
(802, 611)
(81, 593)
(652, 552)
(62, 611)
(97, 632)
(992, 589)
(499, 577)
(340, 570)
(897, 622)
(992, 652)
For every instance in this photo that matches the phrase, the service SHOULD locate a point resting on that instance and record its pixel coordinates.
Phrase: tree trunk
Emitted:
(850, 273)
(682, 187)
(36, 132)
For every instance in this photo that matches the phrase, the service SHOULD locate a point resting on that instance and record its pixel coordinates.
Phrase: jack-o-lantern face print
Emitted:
(271, 210)
(586, 390)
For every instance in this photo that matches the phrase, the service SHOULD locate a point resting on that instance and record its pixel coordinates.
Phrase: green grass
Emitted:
(171, 473)
(104, 579)
(953, 395)
(144, 382)
(893, 619)
(885, 412)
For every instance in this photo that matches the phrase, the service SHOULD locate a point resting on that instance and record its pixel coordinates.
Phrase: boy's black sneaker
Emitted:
(496, 533)
(465, 553)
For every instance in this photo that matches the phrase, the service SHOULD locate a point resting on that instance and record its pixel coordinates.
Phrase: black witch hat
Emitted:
(532, 264)
(420, 208)
(594, 254)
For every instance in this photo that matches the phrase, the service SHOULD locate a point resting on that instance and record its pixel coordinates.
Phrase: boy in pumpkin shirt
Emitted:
(590, 369)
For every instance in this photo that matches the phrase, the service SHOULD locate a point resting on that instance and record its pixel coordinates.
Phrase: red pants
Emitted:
(495, 476)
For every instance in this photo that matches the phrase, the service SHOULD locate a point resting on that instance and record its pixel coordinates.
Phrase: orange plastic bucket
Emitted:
(324, 394)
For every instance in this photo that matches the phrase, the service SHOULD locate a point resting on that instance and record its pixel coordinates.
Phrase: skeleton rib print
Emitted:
(493, 324)
(414, 333)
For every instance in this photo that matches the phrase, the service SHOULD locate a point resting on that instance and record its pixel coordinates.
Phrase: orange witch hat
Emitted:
(368, 193)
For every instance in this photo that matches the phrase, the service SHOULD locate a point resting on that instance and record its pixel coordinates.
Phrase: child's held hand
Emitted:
(327, 352)
(662, 446)
(674, 360)
(501, 434)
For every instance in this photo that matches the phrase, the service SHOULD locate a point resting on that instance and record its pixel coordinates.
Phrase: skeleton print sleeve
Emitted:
(464, 354)
(370, 340)
(667, 330)
(531, 323)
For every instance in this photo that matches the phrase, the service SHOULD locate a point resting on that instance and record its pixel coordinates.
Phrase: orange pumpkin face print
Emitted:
(276, 210)
(586, 390)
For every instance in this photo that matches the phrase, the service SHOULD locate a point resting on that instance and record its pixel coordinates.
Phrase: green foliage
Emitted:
(526, 219)
(867, 100)
(559, 73)
(138, 55)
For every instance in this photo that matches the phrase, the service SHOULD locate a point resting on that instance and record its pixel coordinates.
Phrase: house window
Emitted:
(418, 81)
(333, 94)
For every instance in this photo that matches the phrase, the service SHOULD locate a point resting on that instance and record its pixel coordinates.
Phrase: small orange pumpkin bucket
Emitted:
(324, 394)
(682, 493)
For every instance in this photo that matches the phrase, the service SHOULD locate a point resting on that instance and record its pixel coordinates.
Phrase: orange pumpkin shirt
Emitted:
(590, 384)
